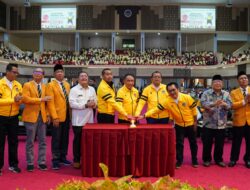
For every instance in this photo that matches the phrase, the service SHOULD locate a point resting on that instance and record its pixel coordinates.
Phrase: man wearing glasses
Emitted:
(216, 103)
(34, 117)
(154, 94)
(182, 108)
(10, 99)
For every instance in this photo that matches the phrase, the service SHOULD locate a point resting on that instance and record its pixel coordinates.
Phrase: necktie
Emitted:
(65, 93)
(244, 92)
(39, 91)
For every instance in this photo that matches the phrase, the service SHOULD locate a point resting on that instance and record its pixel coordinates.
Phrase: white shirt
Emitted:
(245, 91)
(59, 83)
(9, 83)
(78, 97)
(177, 99)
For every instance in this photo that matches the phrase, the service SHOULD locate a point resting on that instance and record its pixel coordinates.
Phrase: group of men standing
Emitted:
(58, 104)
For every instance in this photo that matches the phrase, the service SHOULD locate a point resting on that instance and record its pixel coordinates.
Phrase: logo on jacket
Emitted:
(184, 104)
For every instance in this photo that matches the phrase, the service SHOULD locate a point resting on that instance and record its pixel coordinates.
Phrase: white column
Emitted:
(215, 43)
(142, 42)
(113, 48)
(178, 43)
(6, 38)
(41, 43)
(77, 42)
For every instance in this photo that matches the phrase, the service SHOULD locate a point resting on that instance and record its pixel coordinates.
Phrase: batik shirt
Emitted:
(216, 118)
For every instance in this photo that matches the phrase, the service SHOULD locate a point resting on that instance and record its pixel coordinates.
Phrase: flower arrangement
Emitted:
(128, 183)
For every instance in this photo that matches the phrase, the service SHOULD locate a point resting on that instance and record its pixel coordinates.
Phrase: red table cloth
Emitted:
(147, 150)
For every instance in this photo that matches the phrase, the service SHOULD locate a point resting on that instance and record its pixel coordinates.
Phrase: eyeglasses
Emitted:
(243, 78)
(156, 77)
(15, 72)
(172, 90)
(38, 72)
(217, 81)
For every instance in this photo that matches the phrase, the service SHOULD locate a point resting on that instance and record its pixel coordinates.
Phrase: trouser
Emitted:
(9, 126)
(33, 129)
(181, 132)
(77, 143)
(105, 118)
(151, 120)
(121, 121)
(60, 141)
(207, 137)
(238, 134)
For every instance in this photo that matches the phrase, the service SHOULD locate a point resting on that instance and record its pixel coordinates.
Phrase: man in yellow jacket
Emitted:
(182, 108)
(106, 99)
(35, 117)
(241, 119)
(127, 97)
(58, 107)
(10, 99)
(154, 94)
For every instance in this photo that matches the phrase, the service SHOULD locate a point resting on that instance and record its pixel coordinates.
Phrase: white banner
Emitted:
(201, 19)
(58, 18)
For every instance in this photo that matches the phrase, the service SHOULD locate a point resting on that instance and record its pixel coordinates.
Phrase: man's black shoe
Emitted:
(30, 168)
(65, 162)
(42, 167)
(221, 164)
(55, 166)
(15, 169)
(195, 164)
(248, 164)
(206, 164)
(178, 165)
(231, 164)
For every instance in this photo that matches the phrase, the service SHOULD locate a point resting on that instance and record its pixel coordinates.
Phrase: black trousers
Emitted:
(105, 118)
(151, 120)
(208, 135)
(9, 126)
(121, 121)
(60, 141)
(238, 134)
(181, 132)
(77, 143)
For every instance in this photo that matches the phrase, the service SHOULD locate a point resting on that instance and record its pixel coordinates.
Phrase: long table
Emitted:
(147, 150)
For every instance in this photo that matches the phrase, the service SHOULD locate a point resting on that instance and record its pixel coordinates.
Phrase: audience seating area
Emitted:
(229, 59)
(101, 56)
(25, 57)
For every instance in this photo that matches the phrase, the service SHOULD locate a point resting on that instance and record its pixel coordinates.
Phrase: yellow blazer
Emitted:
(57, 106)
(241, 114)
(33, 104)
(8, 106)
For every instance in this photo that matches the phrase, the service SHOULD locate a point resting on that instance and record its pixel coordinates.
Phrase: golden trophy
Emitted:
(132, 125)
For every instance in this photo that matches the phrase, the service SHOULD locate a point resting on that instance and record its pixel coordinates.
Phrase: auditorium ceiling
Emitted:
(130, 2)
